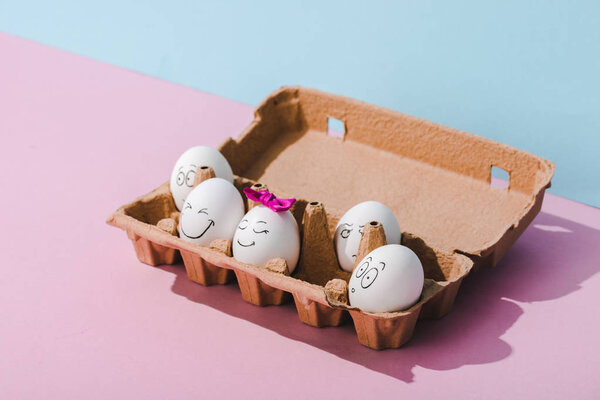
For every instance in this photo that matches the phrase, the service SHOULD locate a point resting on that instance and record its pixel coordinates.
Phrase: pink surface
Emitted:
(80, 317)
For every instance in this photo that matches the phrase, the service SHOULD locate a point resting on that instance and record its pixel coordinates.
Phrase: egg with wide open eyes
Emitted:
(211, 211)
(390, 278)
(349, 229)
(184, 172)
(264, 234)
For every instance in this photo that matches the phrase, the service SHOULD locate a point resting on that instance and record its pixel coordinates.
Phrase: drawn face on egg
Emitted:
(184, 172)
(349, 230)
(390, 278)
(264, 234)
(211, 211)
(200, 227)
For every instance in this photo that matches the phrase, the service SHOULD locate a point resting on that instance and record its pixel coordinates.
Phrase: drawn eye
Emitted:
(360, 229)
(369, 278)
(265, 231)
(360, 270)
(180, 178)
(202, 211)
(243, 225)
(345, 233)
(187, 205)
(189, 178)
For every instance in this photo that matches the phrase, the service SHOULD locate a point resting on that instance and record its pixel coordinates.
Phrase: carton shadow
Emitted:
(545, 264)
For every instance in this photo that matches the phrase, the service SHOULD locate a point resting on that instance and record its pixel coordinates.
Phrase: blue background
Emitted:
(522, 73)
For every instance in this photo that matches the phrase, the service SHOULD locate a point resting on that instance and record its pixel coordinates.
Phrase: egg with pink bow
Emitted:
(267, 231)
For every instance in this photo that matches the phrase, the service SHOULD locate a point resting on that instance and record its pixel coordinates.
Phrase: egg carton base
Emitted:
(255, 291)
(152, 253)
(202, 272)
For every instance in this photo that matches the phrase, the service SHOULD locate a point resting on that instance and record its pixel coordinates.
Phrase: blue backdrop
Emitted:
(522, 73)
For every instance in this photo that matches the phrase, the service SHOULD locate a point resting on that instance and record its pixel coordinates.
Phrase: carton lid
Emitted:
(436, 179)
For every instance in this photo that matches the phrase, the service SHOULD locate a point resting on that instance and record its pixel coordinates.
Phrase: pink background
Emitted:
(80, 317)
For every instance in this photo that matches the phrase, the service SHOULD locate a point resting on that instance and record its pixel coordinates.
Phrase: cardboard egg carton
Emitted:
(435, 179)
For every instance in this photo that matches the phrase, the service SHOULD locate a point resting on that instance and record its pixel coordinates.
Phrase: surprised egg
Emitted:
(211, 211)
(390, 278)
(263, 234)
(184, 172)
(350, 228)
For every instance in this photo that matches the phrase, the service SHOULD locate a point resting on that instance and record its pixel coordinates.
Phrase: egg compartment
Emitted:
(435, 179)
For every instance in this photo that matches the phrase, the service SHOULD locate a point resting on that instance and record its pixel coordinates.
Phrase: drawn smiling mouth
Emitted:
(210, 223)
(246, 245)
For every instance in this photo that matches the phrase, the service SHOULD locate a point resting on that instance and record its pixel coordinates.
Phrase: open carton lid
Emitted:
(436, 179)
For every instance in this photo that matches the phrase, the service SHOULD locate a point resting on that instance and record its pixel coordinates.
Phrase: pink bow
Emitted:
(268, 199)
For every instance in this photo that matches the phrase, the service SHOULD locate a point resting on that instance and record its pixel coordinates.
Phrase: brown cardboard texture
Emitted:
(435, 179)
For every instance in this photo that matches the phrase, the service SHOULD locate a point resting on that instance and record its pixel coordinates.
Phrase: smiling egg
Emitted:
(211, 211)
(350, 228)
(390, 278)
(264, 234)
(184, 172)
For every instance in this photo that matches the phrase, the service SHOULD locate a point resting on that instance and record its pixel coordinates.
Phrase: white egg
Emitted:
(184, 172)
(350, 228)
(390, 278)
(264, 234)
(211, 211)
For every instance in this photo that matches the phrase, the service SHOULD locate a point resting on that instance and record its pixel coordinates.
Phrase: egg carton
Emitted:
(436, 179)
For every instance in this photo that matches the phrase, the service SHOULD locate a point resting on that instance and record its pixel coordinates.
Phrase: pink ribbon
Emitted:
(268, 199)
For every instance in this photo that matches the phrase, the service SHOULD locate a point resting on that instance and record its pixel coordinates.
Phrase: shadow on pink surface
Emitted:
(543, 265)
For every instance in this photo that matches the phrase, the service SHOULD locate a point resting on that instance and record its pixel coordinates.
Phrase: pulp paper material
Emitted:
(318, 262)
(372, 238)
(168, 225)
(436, 180)
(203, 173)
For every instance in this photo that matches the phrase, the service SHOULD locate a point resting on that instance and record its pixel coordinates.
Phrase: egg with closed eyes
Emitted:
(211, 211)
(264, 234)
(184, 172)
(349, 230)
(388, 279)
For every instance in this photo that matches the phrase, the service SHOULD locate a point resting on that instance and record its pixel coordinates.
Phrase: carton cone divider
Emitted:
(373, 237)
(336, 291)
(203, 173)
(318, 261)
(278, 265)
(251, 203)
(168, 225)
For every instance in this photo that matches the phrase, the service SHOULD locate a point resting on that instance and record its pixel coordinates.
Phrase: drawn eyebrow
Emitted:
(261, 222)
(193, 165)
(347, 224)
(369, 258)
(244, 220)
(383, 267)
